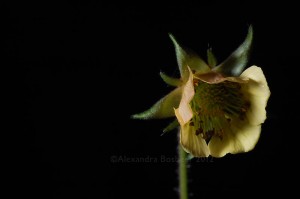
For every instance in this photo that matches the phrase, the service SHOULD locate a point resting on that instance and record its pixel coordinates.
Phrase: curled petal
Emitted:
(258, 93)
(192, 143)
(164, 108)
(184, 112)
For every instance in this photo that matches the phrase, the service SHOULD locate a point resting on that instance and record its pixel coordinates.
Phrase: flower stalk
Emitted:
(183, 175)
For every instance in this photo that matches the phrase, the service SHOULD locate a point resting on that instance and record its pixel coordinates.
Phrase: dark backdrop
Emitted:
(87, 66)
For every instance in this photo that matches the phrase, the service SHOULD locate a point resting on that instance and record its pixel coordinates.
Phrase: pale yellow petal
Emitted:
(191, 143)
(257, 92)
(184, 112)
(242, 135)
(239, 138)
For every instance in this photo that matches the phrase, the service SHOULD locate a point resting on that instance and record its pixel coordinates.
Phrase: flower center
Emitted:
(215, 106)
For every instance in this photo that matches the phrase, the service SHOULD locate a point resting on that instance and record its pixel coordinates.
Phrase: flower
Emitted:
(220, 108)
(220, 115)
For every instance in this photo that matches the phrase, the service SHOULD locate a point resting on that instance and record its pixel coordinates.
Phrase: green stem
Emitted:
(183, 182)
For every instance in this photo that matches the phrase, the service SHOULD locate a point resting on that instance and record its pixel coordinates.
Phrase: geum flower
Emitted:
(220, 108)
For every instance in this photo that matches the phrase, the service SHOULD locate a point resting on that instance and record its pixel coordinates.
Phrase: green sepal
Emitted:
(173, 125)
(170, 80)
(189, 58)
(164, 108)
(236, 62)
(211, 59)
(189, 157)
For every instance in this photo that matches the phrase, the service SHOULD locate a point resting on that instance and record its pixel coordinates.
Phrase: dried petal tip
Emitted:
(184, 112)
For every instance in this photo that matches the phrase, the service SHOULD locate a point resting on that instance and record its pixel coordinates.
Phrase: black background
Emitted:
(87, 66)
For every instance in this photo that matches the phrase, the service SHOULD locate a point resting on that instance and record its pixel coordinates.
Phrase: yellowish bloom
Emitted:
(220, 115)
(220, 108)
